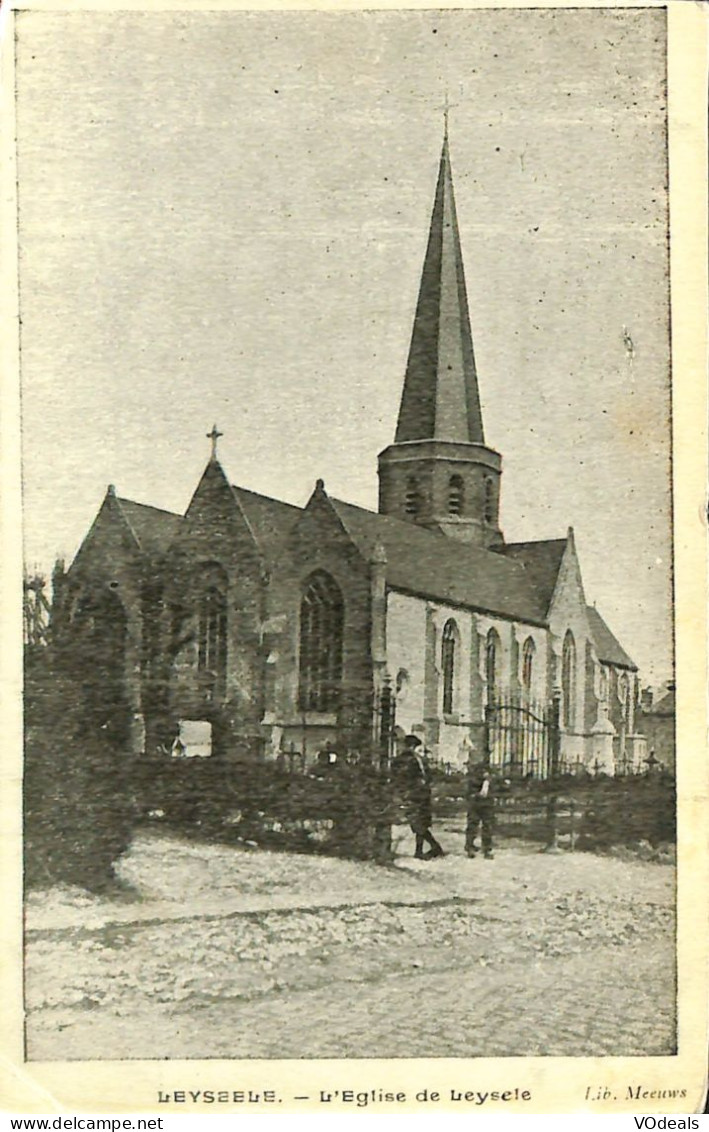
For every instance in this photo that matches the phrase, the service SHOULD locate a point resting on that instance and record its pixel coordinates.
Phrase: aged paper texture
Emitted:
(335, 798)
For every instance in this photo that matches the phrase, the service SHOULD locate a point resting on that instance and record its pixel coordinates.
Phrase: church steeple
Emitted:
(441, 399)
(439, 472)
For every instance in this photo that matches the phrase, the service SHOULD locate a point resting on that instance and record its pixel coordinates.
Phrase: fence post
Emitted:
(382, 850)
(487, 730)
(552, 845)
(386, 723)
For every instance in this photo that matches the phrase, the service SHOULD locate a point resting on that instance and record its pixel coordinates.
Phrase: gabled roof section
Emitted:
(153, 528)
(429, 564)
(441, 399)
(215, 514)
(665, 706)
(122, 526)
(608, 649)
(269, 519)
(542, 562)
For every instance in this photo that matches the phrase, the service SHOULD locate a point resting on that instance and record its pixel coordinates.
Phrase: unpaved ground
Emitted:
(232, 953)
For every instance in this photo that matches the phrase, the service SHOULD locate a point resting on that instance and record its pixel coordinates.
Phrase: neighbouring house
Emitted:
(657, 723)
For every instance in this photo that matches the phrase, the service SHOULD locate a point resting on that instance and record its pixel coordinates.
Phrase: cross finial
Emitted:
(214, 437)
(447, 107)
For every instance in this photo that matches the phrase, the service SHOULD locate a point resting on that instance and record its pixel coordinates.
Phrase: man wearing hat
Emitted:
(413, 779)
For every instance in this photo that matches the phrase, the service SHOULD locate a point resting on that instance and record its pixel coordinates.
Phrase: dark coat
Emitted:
(412, 778)
(476, 777)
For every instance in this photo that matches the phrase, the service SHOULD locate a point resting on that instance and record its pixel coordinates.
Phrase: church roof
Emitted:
(153, 528)
(440, 400)
(608, 649)
(430, 564)
(269, 519)
(541, 560)
(516, 581)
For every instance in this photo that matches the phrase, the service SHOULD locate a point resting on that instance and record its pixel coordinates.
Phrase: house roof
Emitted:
(608, 649)
(433, 565)
(154, 528)
(664, 706)
(270, 519)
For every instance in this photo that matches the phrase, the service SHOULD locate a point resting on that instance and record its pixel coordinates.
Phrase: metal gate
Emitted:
(522, 737)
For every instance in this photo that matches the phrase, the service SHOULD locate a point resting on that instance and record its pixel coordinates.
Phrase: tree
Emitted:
(79, 812)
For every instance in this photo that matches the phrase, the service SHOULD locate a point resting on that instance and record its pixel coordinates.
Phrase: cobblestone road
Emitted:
(231, 954)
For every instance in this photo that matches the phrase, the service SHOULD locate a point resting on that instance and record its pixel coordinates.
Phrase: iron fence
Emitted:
(521, 737)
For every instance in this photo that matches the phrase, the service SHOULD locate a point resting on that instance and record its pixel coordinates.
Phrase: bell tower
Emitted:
(439, 472)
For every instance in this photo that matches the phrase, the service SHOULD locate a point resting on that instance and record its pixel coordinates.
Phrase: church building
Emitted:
(251, 624)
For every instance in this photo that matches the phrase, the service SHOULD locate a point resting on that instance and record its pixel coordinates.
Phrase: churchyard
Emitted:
(216, 950)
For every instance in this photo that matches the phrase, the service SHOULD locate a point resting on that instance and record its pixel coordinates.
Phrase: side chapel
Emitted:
(276, 627)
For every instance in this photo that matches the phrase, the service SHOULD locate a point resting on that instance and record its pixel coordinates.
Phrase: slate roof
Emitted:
(154, 528)
(515, 582)
(665, 706)
(607, 647)
(542, 562)
(440, 398)
(433, 565)
(270, 519)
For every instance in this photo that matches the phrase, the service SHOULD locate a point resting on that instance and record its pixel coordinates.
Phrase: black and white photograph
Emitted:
(348, 600)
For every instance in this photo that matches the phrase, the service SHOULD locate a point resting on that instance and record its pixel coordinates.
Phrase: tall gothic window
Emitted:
(528, 650)
(411, 497)
(489, 500)
(455, 495)
(321, 623)
(624, 695)
(568, 681)
(212, 635)
(492, 658)
(448, 660)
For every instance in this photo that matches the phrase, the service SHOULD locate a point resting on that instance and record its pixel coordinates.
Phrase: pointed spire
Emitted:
(441, 399)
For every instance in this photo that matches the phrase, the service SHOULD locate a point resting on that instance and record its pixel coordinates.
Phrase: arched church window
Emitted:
(528, 650)
(492, 659)
(411, 497)
(489, 500)
(448, 663)
(321, 630)
(99, 649)
(624, 694)
(603, 684)
(568, 681)
(402, 684)
(212, 635)
(455, 495)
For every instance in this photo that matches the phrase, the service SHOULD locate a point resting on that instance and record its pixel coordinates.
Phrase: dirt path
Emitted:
(231, 954)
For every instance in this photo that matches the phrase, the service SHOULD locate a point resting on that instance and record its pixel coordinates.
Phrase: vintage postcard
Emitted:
(354, 530)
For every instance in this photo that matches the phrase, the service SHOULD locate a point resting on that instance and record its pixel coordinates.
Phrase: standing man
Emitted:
(413, 778)
(482, 788)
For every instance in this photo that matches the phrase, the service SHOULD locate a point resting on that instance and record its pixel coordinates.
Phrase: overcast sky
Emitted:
(223, 218)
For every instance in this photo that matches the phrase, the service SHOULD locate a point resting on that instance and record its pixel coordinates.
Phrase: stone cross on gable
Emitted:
(214, 437)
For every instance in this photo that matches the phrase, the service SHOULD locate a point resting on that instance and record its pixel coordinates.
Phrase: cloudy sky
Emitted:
(223, 217)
